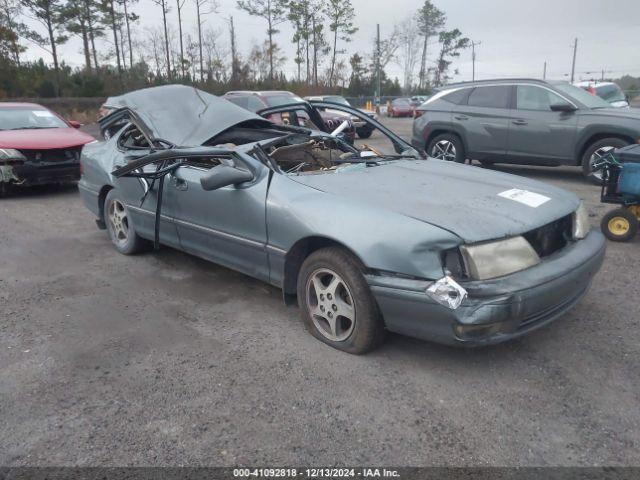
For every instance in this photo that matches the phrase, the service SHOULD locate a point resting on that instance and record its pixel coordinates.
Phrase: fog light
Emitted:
(447, 292)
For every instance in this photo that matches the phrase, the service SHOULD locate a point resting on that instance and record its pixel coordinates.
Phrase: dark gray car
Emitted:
(527, 121)
(363, 242)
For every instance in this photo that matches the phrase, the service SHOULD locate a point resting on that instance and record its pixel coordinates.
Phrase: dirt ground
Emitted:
(164, 359)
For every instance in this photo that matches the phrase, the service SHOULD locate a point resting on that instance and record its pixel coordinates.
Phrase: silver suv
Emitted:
(522, 121)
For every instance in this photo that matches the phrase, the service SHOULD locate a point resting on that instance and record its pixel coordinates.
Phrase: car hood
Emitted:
(184, 116)
(461, 199)
(613, 112)
(43, 139)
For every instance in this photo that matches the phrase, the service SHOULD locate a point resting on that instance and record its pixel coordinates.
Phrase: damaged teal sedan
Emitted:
(362, 241)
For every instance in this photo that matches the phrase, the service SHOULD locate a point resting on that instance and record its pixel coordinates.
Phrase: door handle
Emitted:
(461, 117)
(179, 183)
(520, 122)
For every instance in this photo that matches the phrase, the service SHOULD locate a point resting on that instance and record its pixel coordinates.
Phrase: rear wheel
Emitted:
(336, 303)
(120, 226)
(619, 225)
(595, 152)
(447, 147)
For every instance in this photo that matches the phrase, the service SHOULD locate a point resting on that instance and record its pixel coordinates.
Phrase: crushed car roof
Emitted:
(182, 115)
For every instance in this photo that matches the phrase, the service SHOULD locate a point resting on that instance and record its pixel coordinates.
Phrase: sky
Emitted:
(517, 36)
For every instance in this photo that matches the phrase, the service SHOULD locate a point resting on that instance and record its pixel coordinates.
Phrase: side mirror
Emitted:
(75, 124)
(562, 107)
(223, 176)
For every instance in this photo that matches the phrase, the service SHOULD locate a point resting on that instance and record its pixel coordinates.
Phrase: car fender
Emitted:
(588, 133)
(382, 240)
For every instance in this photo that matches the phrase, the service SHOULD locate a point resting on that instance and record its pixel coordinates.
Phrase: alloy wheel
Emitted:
(330, 304)
(119, 221)
(444, 150)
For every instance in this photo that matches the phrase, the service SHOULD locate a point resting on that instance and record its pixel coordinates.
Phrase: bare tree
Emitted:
(409, 41)
(430, 21)
(341, 16)
(179, 5)
(50, 14)
(217, 55)
(128, 18)
(95, 25)
(203, 7)
(155, 49)
(273, 11)
(165, 9)
(261, 58)
(114, 19)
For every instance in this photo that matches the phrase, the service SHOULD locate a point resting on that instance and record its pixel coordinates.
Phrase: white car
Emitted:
(608, 91)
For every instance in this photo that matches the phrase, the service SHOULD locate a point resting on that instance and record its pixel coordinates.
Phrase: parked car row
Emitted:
(363, 242)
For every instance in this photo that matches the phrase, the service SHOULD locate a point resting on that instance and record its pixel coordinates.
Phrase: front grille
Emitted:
(550, 238)
(54, 155)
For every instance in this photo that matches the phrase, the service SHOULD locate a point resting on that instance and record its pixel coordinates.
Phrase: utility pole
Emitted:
(544, 72)
(233, 52)
(378, 87)
(573, 65)
(473, 59)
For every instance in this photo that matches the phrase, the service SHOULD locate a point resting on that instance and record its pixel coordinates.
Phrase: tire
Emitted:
(364, 132)
(330, 282)
(120, 227)
(5, 189)
(594, 152)
(619, 225)
(447, 147)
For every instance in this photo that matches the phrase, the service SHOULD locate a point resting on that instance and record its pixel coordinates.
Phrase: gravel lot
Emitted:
(163, 359)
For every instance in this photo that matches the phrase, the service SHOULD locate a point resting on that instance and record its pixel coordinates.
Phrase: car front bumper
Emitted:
(28, 174)
(495, 310)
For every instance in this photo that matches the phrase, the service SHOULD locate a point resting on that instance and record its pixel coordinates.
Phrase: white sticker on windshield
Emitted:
(531, 199)
(42, 113)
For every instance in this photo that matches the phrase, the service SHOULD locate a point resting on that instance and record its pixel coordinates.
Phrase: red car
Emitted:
(38, 146)
(400, 107)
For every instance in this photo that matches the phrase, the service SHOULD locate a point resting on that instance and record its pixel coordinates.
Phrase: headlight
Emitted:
(581, 225)
(495, 259)
(11, 155)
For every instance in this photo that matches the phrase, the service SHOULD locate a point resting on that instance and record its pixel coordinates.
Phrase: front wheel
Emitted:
(447, 147)
(594, 153)
(336, 303)
(619, 225)
(120, 226)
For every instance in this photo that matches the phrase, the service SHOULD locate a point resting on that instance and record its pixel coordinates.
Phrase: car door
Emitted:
(227, 225)
(140, 193)
(537, 134)
(484, 121)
